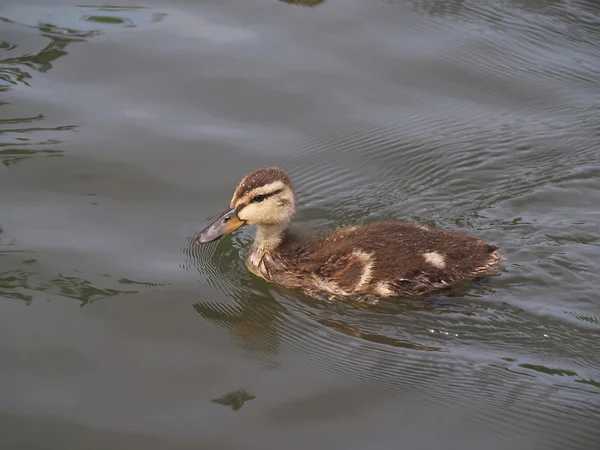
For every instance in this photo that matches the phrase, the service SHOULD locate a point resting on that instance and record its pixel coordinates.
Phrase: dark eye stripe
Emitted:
(262, 197)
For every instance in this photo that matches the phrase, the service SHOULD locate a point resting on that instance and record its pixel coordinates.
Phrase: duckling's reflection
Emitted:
(252, 323)
(356, 331)
(348, 317)
(253, 319)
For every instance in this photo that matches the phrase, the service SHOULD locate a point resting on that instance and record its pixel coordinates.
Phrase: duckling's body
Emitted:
(381, 259)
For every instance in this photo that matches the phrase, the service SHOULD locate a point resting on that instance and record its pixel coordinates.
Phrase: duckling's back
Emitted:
(392, 259)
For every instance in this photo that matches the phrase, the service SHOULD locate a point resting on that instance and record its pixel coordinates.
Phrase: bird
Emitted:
(380, 259)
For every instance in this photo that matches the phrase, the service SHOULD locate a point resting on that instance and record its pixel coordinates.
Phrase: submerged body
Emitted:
(381, 259)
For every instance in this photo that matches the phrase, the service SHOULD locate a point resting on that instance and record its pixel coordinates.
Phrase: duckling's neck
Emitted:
(268, 237)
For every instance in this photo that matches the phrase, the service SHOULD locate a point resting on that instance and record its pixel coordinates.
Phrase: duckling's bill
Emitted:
(224, 224)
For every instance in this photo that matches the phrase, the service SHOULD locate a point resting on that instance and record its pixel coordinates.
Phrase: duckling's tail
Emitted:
(493, 258)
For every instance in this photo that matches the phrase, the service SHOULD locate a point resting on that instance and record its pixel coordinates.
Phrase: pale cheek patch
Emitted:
(435, 259)
(267, 212)
(248, 213)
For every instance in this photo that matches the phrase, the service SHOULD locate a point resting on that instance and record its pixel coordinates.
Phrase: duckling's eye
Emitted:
(258, 198)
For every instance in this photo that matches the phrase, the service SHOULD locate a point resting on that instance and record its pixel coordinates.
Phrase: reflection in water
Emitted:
(546, 370)
(534, 370)
(80, 289)
(253, 315)
(60, 36)
(10, 156)
(6, 45)
(12, 75)
(250, 323)
(111, 20)
(29, 280)
(61, 28)
(235, 399)
(309, 3)
(81, 22)
(107, 17)
(16, 70)
(260, 322)
(355, 330)
(402, 125)
(52, 31)
(591, 383)
(12, 151)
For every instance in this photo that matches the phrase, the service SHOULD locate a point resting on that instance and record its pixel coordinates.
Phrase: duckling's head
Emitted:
(264, 197)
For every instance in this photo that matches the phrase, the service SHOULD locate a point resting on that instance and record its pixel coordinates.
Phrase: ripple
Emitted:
(376, 370)
(343, 338)
(330, 336)
(462, 114)
(219, 263)
(438, 355)
(23, 141)
(236, 302)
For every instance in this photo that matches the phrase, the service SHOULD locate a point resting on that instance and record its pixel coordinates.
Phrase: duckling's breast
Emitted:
(256, 263)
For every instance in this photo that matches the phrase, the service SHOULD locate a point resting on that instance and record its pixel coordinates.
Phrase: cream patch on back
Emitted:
(435, 259)
(383, 289)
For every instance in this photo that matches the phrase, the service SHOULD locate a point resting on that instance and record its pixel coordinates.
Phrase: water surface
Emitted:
(124, 128)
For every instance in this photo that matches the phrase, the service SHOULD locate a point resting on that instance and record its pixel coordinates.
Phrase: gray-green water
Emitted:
(125, 128)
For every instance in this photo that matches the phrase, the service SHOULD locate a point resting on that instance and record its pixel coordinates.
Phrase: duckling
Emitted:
(376, 260)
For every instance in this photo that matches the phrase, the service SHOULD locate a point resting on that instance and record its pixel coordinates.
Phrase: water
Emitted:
(124, 129)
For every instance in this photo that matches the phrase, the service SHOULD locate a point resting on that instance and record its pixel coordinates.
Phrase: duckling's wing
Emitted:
(406, 259)
(345, 272)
